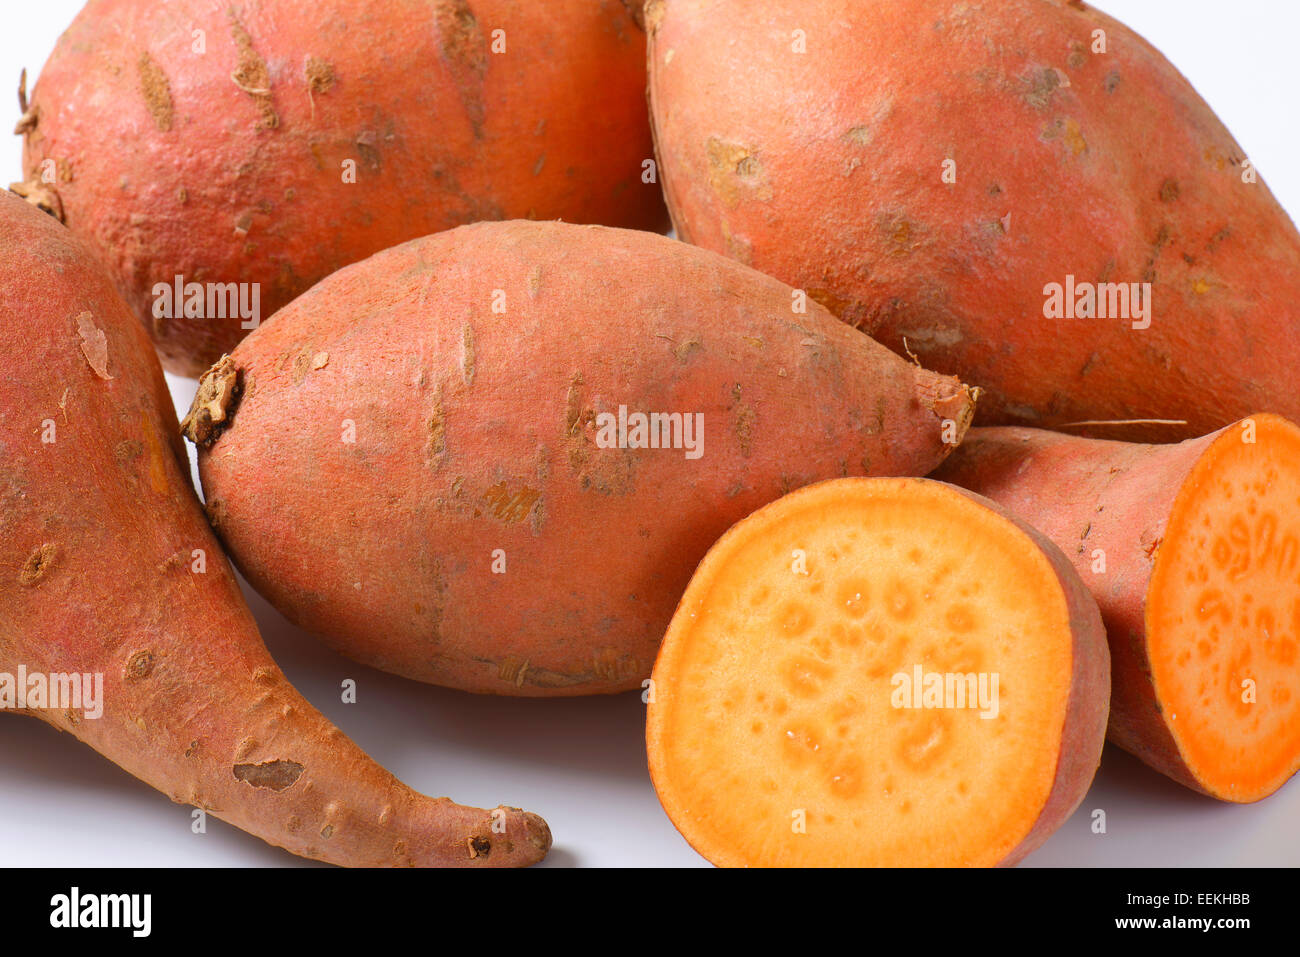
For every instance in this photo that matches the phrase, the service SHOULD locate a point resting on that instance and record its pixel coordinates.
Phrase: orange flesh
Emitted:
(772, 691)
(1223, 608)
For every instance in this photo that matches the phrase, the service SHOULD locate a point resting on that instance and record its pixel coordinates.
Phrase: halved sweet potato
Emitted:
(784, 727)
(1193, 554)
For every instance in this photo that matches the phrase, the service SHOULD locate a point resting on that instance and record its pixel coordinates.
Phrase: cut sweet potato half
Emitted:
(783, 727)
(1193, 554)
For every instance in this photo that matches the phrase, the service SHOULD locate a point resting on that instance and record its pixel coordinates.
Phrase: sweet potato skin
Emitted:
(231, 167)
(1089, 494)
(99, 533)
(825, 170)
(394, 433)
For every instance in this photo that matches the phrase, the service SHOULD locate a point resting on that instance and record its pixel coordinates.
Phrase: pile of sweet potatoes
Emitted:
(466, 415)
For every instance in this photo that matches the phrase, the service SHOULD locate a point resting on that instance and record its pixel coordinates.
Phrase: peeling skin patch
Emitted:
(861, 135)
(251, 75)
(94, 344)
(214, 403)
(270, 775)
(510, 507)
(735, 173)
(157, 91)
(38, 563)
(1069, 132)
(518, 672)
(461, 43)
(139, 665)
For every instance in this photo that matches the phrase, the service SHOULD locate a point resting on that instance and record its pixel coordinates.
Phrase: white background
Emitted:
(581, 763)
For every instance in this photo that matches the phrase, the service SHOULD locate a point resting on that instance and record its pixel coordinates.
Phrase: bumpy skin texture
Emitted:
(825, 170)
(98, 532)
(394, 432)
(227, 166)
(1089, 494)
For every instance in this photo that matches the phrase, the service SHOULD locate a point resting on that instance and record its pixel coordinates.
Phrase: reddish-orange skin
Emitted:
(1088, 494)
(218, 184)
(476, 431)
(190, 692)
(826, 170)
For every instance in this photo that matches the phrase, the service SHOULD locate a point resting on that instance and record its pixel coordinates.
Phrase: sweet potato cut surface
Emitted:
(777, 735)
(927, 169)
(1193, 553)
(108, 567)
(435, 486)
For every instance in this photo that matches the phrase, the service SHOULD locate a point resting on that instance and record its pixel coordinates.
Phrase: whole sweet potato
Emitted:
(273, 142)
(436, 458)
(1193, 553)
(1024, 193)
(110, 576)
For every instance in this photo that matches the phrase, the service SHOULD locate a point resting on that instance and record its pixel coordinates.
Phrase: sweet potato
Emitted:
(1193, 553)
(272, 143)
(945, 175)
(426, 465)
(108, 568)
(878, 672)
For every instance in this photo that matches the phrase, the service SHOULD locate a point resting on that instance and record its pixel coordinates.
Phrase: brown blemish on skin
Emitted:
(37, 564)
(744, 424)
(479, 847)
(157, 463)
(157, 91)
(437, 425)
(270, 775)
(1169, 191)
(251, 75)
(507, 506)
(1111, 83)
(327, 831)
(214, 403)
(464, 50)
(898, 232)
(138, 666)
(467, 355)
(94, 345)
(1041, 85)
(687, 348)
(215, 510)
(735, 173)
(319, 76)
